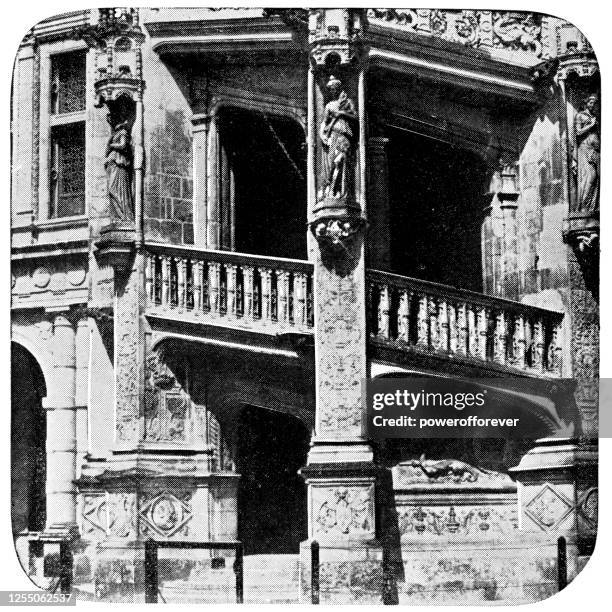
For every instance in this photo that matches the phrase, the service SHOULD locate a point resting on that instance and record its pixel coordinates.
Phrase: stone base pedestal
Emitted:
(350, 572)
(140, 496)
(557, 487)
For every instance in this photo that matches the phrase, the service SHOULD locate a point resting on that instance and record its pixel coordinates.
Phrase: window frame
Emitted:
(50, 121)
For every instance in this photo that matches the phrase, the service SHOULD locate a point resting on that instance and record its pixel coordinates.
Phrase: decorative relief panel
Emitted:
(165, 514)
(476, 521)
(94, 515)
(548, 508)
(341, 359)
(166, 403)
(343, 511)
(122, 515)
(589, 505)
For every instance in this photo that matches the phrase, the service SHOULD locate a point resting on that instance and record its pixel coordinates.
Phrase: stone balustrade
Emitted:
(407, 313)
(233, 289)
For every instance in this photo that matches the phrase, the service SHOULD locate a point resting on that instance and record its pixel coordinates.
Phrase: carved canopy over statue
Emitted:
(337, 132)
(119, 166)
(587, 157)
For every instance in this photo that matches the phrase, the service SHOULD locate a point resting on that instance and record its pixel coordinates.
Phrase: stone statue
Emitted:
(587, 157)
(337, 133)
(118, 166)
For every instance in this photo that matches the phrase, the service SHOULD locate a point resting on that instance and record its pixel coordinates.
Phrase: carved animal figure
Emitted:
(457, 470)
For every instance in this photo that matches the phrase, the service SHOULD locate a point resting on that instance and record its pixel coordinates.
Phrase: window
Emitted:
(68, 83)
(68, 170)
(67, 134)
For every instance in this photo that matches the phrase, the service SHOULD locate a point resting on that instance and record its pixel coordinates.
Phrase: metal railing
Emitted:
(152, 561)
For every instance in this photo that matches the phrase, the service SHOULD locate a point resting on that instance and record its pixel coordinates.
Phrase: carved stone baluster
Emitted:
(538, 344)
(453, 332)
(165, 294)
(423, 322)
(196, 272)
(214, 287)
(462, 329)
(247, 276)
(181, 272)
(499, 338)
(299, 300)
(472, 332)
(443, 325)
(282, 285)
(434, 323)
(483, 332)
(266, 294)
(230, 275)
(403, 317)
(383, 313)
(555, 349)
(518, 343)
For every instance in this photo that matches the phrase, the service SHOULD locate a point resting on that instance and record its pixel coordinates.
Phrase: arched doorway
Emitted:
(28, 435)
(271, 448)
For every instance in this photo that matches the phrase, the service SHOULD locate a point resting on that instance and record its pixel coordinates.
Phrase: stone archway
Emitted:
(28, 436)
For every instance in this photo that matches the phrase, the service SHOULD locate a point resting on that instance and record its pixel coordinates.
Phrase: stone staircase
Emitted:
(271, 578)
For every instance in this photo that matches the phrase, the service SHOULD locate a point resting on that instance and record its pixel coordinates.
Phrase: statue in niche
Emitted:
(587, 157)
(337, 133)
(118, 166)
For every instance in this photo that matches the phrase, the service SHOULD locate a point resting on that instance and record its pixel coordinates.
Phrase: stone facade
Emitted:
(186, 375)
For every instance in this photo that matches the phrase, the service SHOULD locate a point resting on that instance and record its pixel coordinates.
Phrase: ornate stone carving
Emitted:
(508, 30)
(548, 507)
(334, 35)
(336, 234)
(343, 511)
(517, 31)
(165, 514)
(589, 506)
(166, 402)
(122, 515)
(484, 521)
(94, 515)
(443, 470)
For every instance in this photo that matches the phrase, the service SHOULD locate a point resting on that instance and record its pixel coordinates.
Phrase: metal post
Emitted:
(66, 562)
(314, 573)
(562, 562)
(238, 570)
(151, 576)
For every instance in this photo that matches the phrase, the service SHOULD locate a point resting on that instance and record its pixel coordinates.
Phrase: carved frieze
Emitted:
(343, 511)
(506, 30)
(473, 521)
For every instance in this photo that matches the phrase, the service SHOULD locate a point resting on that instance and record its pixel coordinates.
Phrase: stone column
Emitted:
(212, 168)
(200, 179)
(61, 429)
(379, 234)
(81, 384)
(340, 472)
